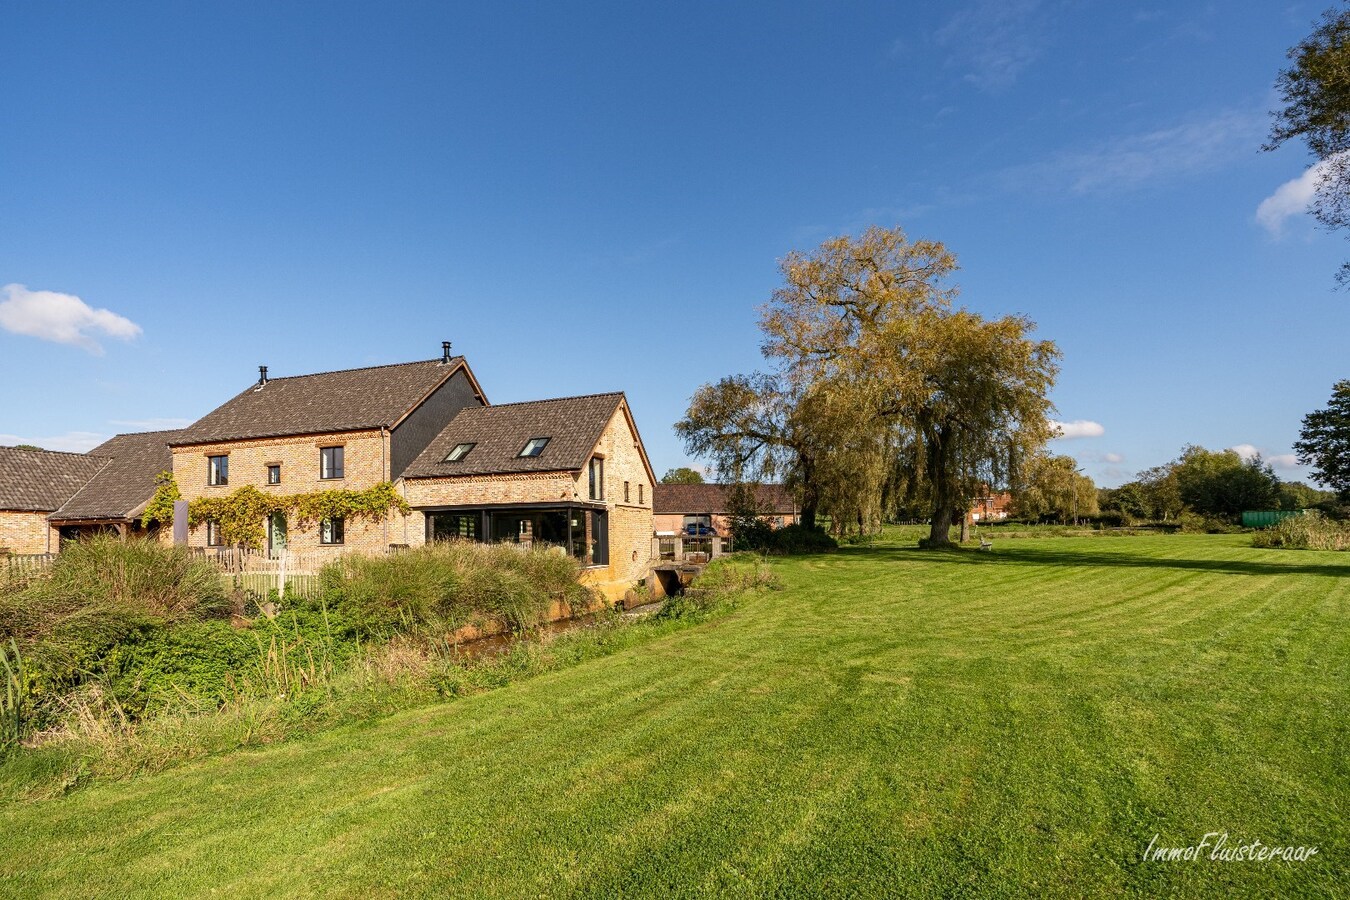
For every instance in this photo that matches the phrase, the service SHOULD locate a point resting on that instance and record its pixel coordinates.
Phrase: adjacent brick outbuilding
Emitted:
(116, 497)
(679, 507)
(33, 484)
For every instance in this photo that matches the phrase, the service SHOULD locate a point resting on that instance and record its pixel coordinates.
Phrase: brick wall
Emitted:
(630, 523)
(24, 532)
(365, 464)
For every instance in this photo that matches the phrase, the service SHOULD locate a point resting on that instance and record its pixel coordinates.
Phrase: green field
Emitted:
(893, 722)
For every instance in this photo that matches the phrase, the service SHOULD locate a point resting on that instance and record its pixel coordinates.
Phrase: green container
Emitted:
(1264, 518)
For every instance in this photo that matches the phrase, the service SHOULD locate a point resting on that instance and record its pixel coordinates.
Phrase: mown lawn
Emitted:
(895, 721)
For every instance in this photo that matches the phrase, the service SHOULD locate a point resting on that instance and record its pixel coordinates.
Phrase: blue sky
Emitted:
(592, 197)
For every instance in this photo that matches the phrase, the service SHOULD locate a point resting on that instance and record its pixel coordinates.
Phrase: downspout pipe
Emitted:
(384, 476)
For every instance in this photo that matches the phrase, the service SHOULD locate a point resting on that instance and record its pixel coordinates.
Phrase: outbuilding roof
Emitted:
(711, 499)
(573, 426)
(346, 400)
(41, 480)
(121, 489)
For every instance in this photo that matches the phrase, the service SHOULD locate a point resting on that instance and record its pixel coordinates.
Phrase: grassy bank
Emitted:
(894, 721)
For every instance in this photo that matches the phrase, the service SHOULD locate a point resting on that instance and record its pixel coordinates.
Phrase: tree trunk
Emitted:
(944, 503)
(965, 526)
(810, 493)
(940, 528)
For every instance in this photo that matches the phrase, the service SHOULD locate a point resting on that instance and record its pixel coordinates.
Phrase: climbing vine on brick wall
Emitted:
(160, 507)
(241, 514)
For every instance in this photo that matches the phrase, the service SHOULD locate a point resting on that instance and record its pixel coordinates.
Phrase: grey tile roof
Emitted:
(348, 400)
(573, 426)
(41, 480)
(122, 488)
(709, 499)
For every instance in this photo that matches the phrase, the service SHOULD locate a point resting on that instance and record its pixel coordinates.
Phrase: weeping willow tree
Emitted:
(980, 408)
(874, 370)
(752, 428)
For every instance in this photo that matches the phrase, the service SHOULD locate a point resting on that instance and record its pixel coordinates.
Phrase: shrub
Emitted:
(163, 666)
(719, 583)
(99, 594)
(449, 584)
(795, 539)
(1310, 531)
(1195, 523)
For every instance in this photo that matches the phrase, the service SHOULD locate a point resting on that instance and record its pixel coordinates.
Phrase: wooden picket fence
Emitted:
(290, 573)
(17, 569)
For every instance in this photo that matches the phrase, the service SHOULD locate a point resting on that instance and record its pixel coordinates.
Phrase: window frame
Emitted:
(218, 475)
(641, 492)
(332, 531)
(525, 451)
(325, 454)
(213, 534)
(597, 481)
(626, 498)
(273, 467)
(468, 448)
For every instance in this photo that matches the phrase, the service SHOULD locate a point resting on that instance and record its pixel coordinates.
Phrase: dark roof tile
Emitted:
(349, 400)
(41, 480)
(711, 499)
(122, 488)
(573, 426)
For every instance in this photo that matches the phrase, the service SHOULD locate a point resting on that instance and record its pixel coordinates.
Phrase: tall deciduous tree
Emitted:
(682, 475)
(751, 428)
(1324, 441)
(1053, 486)
(871, 361)
(1316, 95)
(979, 407)
(1221, 483)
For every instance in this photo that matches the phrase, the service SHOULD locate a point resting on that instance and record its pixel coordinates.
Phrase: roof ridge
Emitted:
(546, 400)
(415, 362)
(85, 455)
(143, 433)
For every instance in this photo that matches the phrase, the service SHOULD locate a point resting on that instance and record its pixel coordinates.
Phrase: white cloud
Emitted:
(1285, 461)
(1114, 458)
(62, 318)
(1133, 160)
(994, 40)
(1290, 199)
(1079, 428)
(71, 441)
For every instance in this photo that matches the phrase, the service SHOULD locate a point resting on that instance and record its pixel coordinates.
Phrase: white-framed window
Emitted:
(330, 463)
(274, 473)
(218, 470)
(331, 531)
(213, 534)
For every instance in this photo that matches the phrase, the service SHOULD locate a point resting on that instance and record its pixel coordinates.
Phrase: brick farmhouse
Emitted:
(570, 472)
